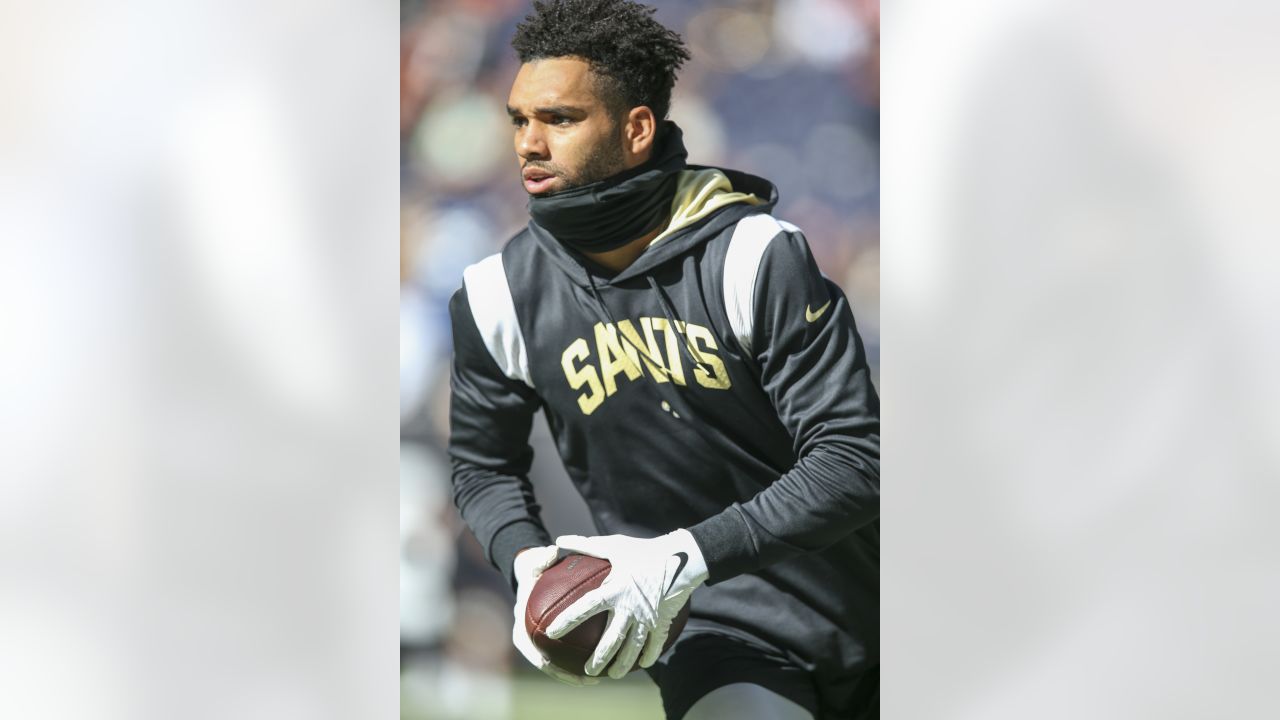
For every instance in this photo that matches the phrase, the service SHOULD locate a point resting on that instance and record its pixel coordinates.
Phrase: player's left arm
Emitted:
(814, 369)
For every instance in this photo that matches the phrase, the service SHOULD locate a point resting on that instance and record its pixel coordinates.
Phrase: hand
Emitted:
(529, 565)
(650, 582)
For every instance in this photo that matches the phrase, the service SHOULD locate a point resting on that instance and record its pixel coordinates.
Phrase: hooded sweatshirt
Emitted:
(716, 384)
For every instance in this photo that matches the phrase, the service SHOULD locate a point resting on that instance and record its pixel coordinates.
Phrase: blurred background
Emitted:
(785, 89)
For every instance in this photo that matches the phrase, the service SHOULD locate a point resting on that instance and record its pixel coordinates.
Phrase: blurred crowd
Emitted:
(785, 89)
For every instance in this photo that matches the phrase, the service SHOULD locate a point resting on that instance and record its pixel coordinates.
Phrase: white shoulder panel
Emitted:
(495, 314)
(750, 239)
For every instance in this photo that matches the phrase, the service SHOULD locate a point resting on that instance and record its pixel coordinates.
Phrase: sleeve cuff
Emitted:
(727, 544)
(510, 540)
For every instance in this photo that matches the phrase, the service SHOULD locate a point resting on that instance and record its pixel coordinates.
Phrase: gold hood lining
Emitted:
(698, 194)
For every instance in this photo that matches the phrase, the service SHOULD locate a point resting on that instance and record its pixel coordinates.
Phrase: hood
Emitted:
(707, 200)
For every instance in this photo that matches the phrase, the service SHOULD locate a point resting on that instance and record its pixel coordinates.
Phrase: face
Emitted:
(565, 136)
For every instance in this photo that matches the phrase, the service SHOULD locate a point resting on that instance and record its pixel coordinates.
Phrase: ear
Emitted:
(640, 130)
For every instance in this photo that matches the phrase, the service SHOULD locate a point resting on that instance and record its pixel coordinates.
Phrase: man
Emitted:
(705, 384)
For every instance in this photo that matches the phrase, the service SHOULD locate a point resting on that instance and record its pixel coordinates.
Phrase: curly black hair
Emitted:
(633, 56)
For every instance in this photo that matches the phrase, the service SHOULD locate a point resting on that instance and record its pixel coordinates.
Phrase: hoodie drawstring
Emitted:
(667, 310)
(670, 314)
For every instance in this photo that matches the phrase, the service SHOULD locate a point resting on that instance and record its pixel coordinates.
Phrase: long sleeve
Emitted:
(490, 416)
(814, 370)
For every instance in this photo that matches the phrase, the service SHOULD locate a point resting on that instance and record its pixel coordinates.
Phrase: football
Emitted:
(559, 587)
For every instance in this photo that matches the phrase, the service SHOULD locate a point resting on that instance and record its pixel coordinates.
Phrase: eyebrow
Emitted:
(565, 110)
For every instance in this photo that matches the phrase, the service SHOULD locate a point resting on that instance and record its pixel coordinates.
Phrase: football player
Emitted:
(705, 384)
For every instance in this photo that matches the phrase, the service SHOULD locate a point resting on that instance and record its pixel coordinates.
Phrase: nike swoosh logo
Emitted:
(812, 315)
(684, 560)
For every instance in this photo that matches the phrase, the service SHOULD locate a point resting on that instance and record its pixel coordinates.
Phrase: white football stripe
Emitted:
(750, 239)
(495, 314)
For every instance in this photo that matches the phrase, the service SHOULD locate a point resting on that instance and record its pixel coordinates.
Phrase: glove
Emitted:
(528, 566)
(649, 583)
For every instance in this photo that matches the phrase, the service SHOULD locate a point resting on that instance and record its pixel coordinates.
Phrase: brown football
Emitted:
(558, 588)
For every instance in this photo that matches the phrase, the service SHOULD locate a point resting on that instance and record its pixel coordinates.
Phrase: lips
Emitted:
(537, 180)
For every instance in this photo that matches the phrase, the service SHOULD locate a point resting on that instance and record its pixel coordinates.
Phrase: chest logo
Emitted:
(811, 315)
(624, 350)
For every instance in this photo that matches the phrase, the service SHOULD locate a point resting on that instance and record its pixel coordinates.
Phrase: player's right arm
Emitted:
(490, 416)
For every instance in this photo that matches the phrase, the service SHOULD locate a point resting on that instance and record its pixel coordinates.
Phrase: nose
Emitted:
(530, 143)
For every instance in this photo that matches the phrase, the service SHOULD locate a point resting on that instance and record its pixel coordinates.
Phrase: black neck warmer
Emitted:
(608, 214)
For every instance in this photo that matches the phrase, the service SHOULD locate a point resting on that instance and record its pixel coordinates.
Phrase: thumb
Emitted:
(530, 562)
(580, 544)
(543, 557)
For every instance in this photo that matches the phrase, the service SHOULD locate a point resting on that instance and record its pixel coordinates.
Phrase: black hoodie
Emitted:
(753, 423)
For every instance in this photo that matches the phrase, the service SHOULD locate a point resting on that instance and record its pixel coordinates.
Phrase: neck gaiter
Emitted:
(608, 214)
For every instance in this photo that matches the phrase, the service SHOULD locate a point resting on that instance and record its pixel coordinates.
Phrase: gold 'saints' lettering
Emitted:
(577, 377)
(624, 355)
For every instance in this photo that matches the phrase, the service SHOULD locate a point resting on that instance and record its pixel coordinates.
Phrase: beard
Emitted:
(605, 160)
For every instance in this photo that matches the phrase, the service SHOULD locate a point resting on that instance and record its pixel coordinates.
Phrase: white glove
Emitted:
(529, 565)
(649, 583)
